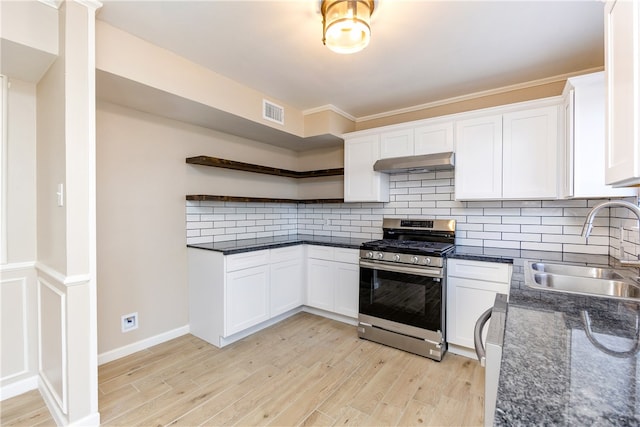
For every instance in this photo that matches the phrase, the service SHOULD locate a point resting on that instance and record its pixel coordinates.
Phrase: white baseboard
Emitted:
(117, 353)
(92, 420)
(18, 387)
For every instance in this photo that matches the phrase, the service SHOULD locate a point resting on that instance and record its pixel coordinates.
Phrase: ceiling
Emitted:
(420, 51)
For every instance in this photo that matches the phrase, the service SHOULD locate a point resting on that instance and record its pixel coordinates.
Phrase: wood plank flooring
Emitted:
(304, 371)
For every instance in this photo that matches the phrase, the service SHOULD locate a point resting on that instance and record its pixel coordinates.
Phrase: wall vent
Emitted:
(272, 112)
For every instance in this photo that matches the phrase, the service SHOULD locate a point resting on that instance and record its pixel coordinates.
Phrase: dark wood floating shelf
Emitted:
(248, 167)
(210, 198)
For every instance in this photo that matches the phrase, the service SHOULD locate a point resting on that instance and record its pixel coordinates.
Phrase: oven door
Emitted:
(403, 295)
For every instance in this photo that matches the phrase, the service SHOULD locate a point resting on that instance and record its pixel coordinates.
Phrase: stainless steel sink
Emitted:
(587, 285)
(584, 280)
(576, 270)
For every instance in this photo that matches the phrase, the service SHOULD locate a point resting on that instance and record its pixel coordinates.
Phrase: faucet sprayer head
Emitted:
(586, 229)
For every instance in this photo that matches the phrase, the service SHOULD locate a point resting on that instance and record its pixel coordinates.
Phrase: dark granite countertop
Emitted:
(248, 245)
(568, 360)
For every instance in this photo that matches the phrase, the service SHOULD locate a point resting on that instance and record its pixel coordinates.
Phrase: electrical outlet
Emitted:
(129, 322)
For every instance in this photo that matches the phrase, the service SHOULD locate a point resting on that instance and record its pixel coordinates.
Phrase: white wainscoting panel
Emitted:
(14, 328)
(18, 329)
(53, 341)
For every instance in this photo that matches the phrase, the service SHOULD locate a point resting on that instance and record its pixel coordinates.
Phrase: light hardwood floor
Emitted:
(304, 371)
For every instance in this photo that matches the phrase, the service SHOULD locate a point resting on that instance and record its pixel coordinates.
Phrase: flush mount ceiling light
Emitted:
(346, 24)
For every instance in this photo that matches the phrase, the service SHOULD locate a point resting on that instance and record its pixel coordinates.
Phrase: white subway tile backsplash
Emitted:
(536, 246)
(521, 220)
(536, 225)
(542, 229)
(586, 249)
(501, 211)
(522, 237)
(501, 244)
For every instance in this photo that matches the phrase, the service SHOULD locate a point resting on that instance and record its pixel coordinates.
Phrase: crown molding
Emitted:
(480, 94)
(329, 107)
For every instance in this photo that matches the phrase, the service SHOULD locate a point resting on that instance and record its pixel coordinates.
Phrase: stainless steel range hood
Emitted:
(422, 163)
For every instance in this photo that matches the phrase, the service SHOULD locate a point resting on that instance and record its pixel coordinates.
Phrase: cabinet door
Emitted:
(286, 283)
(320, 284)
(622, 155)
(467, 299)
(530, 154)
(247, 298)
(347, 283)
(396, 143)
(361, 183)
(478, 171)
(433, 138)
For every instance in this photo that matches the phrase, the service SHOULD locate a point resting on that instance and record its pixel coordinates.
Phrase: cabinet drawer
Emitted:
(320, 252)
(286, 254)
(246, 260)
(479, 270)
(346, 255)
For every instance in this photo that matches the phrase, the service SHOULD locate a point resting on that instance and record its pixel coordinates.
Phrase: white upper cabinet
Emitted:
(361, 182)
(424, 137)
(362, 149)
(530, 154)
(509, 153)
(583, 156)
(622, 56)
(478, 171)
(436, 137)
(396, 143)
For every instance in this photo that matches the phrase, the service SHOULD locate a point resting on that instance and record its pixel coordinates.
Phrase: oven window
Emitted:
(401, 297)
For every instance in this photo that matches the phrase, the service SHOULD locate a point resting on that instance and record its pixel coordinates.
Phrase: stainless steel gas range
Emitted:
(402, 285)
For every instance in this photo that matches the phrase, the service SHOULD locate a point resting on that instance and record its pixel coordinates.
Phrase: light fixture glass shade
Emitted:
(346, 24)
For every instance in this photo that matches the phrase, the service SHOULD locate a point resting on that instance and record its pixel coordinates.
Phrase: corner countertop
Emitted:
(249, 245)
(568, 359)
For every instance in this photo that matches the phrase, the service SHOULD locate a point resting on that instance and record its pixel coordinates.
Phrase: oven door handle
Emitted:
(422, 271)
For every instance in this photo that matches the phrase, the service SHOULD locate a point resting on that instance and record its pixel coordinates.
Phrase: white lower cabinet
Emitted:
(333, 279)
(471, 289)
(246, 298)
(286, 279)
(234, 295)
(347, 282)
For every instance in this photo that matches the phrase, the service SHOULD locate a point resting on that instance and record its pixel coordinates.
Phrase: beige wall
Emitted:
(142, 183)
(52, 227)
(122, 54)
(28, 38)
(21, 172)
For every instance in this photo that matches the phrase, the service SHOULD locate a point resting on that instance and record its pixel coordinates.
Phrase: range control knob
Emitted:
(396, 257)
(369, 254)
(414, 259)
(427, 260)
(380, 255)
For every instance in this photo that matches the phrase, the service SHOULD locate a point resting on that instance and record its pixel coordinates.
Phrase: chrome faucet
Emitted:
(588, 223)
